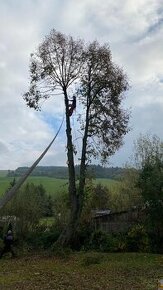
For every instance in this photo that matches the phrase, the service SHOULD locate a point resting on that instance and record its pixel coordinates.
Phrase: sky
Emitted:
(134, 31)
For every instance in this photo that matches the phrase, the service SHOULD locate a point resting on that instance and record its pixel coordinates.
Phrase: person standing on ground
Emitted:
(8, 243)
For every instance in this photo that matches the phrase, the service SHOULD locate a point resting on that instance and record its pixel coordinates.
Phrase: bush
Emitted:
(61, 252)
(156, 242)
(120, 242)
(27, 207)
(101, 241)
(97, 240)
(1, 245)
(82, 237)
(137, 239)
(41, 238)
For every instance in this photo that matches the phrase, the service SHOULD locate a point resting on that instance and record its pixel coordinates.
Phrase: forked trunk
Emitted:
(76, 197)
(68, 233)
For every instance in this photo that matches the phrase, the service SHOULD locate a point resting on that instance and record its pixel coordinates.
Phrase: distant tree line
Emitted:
(95, 171)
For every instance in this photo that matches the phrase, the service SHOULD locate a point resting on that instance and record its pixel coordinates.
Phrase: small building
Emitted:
(116, 222)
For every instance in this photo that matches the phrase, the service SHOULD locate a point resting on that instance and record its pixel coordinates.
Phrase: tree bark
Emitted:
(68, 233)
(76, 198)
(83, 163)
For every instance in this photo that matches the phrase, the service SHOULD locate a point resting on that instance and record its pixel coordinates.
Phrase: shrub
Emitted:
(82, 237)
(41, 238)
(1, 245)
(120, 242)
(156, 242)
(61, 252)
(97, 240)
(137, 239)
(26, 206)
(102, 241)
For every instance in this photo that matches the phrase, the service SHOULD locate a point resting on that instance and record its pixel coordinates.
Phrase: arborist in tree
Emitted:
(9, 227)
(72, 106)
(8, 243)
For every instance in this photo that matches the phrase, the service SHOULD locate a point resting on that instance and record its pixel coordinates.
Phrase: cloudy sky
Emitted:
(134, 30)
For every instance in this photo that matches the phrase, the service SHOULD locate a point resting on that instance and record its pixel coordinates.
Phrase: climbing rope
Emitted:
(75, 140)
(11, 192)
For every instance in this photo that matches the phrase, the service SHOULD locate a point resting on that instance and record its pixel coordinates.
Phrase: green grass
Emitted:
(113, 271)
(3, 173)
(110, 183)
(52, 186)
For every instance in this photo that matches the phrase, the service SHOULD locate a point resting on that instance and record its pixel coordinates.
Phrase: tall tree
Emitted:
(58, 63)
(149, 156)
(147, 150)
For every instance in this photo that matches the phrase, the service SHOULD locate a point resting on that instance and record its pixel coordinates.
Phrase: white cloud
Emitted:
(134, 31)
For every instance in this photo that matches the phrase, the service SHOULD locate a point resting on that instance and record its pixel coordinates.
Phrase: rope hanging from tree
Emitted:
(11, 192)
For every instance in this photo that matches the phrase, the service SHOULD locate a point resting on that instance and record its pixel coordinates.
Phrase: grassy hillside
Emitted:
(3, 173)
(108, 272)
(53, 186)
(107, 182)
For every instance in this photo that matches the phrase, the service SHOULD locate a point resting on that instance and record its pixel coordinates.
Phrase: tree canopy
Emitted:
(61, 63)
(150, 156)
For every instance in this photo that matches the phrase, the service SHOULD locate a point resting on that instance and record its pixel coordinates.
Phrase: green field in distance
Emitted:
(53, 186)
(3, 173)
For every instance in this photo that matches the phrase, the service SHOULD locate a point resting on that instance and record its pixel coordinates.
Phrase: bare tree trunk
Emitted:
(77, 198)
(68, 233)
(83, 163)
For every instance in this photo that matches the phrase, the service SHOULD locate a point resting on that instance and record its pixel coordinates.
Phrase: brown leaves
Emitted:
(115, 271)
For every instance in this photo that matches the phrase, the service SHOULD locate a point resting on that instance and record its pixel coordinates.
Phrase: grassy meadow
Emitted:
(82, 271)
(53, 186)
(3, 173)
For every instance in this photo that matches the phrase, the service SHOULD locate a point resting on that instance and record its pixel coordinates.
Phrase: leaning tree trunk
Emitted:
(11, 192)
